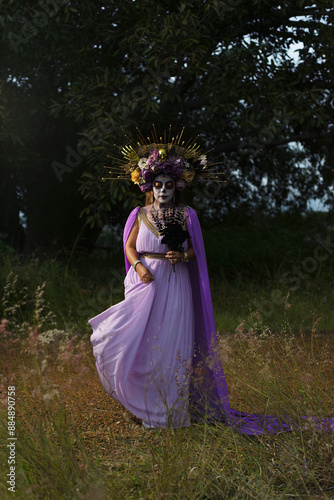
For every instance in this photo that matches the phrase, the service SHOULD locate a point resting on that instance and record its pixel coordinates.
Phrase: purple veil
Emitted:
(209, 398)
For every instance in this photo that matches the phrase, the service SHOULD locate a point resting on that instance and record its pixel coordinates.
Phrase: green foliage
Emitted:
(22, 309)
(253, 265)
(75, 78)
(36, 294)
(262, 248)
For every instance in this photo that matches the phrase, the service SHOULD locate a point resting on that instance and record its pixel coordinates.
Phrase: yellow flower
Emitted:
(135, 175)
(188, 176)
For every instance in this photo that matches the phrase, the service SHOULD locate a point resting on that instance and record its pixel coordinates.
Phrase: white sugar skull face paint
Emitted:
(163, 188)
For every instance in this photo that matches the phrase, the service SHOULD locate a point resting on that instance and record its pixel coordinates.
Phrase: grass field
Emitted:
(276, 343)
(75, 442)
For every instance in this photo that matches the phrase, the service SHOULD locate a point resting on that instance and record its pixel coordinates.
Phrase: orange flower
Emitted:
(135, 175)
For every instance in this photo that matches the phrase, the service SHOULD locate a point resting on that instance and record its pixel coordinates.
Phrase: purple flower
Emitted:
(169, 162)
(174, 165)
(146, 187)
(176, 172)
(155, 154)
(167, 168)
(147, 174)
(178, 160)
(154, 164)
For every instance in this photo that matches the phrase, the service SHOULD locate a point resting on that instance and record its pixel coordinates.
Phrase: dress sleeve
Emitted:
(127, 229)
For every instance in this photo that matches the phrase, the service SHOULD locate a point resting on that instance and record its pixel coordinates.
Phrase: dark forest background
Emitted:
(76, 76)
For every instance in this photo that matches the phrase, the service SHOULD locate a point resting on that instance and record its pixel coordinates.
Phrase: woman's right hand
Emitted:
(144, 274)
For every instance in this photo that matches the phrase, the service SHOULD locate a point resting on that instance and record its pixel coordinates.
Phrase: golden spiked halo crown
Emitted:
(184, 161)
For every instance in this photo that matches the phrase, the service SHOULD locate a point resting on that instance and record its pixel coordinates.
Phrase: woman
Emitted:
(156, 351)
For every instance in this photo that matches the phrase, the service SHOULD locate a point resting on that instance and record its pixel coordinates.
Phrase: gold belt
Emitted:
(149, 255)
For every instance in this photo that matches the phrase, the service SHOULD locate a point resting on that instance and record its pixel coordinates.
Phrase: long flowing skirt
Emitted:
(143, 346)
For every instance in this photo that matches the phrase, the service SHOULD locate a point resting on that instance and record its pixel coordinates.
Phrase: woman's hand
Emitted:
(174, 257)
(144, 274)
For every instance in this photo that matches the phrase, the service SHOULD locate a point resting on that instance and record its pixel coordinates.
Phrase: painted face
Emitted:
(163, 188)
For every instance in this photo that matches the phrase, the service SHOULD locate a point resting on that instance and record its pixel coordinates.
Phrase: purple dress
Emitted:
(156, 351)
(143, 346)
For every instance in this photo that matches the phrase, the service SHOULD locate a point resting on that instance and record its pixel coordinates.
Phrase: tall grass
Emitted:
(273, 374)
(51, 459)
(275, 362)
(233, 303)
(253, 264)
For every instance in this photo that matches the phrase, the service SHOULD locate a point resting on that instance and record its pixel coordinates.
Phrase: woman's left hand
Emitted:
(174, 257)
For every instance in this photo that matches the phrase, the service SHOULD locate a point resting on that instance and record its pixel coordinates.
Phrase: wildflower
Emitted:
(15, 298)
(44, 365)
(42, 313)
(286, 303)
(3, 325)
(240, 330)
(10, 343)
(33, 346)
(224, 349)
(51, 394)
(52, 340)
(315, 325)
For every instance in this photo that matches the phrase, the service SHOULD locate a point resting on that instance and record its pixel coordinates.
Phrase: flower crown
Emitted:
(142, 162)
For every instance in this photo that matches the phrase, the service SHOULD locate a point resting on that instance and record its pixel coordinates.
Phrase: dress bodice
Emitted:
(149, 238)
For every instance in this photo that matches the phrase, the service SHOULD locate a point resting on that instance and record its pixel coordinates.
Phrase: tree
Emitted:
(222, 68)
(31, 83)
